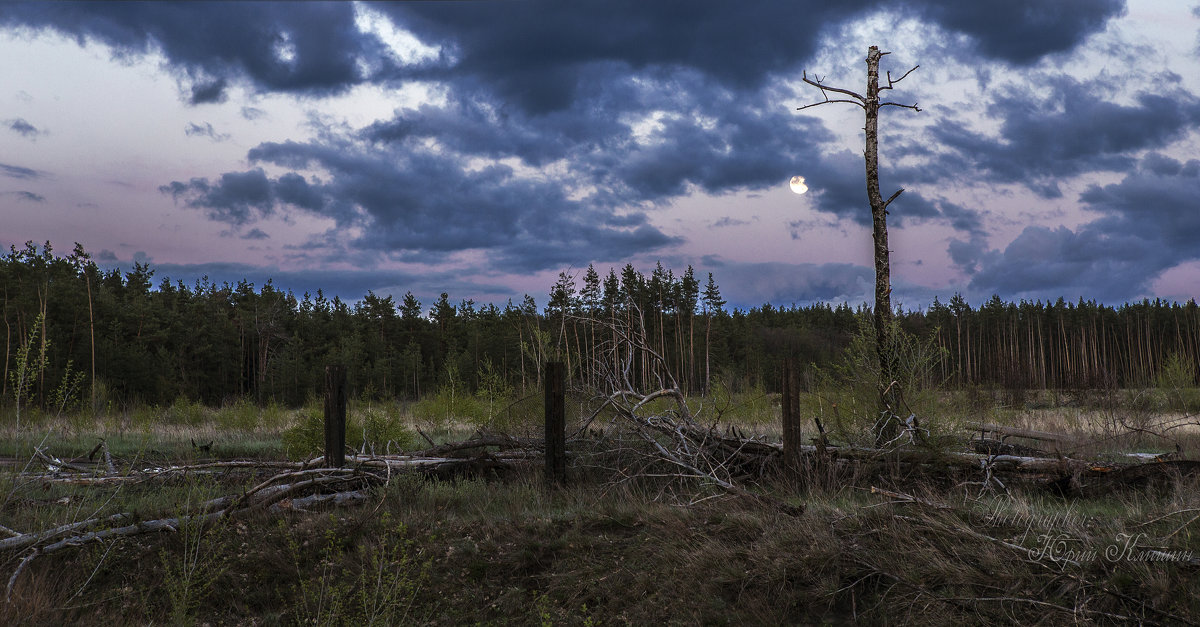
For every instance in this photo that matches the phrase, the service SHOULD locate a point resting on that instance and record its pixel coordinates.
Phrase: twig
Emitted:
(1182, 527)
(427, 438)
(16, 573)
(1168, 515)
(908, 498)
(1061, 608)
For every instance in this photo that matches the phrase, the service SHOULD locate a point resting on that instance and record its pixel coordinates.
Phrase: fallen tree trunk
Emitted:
(299, 485)
(1031, 434)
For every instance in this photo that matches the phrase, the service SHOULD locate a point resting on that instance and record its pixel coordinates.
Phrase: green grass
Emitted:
(521, 552)
(598, 551)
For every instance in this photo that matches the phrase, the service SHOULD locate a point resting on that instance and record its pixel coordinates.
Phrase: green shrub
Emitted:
(846, 397)
(372, 429)
(450, 404)
(1177, 381)
(307, 436)
(242, 415)
(145, 416)
(494, 395)
(273, 416)
(522, 416)
(372, 583)
(753, 407)
(381, 431)
(185, 412)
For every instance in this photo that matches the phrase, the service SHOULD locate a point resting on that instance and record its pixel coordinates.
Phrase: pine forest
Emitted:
(129, 337)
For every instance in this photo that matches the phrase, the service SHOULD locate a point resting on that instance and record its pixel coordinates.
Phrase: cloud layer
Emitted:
(556, 134)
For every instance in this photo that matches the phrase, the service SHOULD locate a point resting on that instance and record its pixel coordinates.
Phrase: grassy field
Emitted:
(604, 549)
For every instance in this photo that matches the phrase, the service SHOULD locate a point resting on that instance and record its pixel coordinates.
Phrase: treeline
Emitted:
(1083, 345)
(75, 332)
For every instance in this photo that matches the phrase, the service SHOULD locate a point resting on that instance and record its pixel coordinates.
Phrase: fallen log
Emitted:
(1031, 434)
(998, 447)
(480, 440)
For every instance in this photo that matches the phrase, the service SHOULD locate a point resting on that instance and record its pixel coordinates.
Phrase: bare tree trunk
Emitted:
(42, 354)
(883, 272)
(92, 331)
(707, 353)
(888, 392)
(7, 343)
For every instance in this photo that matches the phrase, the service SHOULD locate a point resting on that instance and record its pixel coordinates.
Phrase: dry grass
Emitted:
(521, 552)
(600, 551)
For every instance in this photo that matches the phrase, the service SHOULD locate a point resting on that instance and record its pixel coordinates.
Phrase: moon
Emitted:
(797, 185)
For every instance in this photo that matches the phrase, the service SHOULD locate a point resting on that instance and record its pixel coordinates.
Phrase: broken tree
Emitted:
(888, 394)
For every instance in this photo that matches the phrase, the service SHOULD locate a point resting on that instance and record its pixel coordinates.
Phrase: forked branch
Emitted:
(859, 100)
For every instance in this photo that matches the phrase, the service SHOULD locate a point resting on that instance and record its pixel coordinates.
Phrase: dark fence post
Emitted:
(556, 422)
(791, 417)
(335, 416)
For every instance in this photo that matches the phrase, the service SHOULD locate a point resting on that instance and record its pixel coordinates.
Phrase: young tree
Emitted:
(883, 289)
(712, 305)
(561, 306)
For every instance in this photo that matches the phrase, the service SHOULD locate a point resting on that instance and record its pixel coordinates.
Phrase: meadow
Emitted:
(877, 542)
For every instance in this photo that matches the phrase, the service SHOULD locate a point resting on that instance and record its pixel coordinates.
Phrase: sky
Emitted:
(481, 148)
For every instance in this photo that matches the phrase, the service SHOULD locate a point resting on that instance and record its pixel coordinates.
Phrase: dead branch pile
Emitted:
(660, 418)
(672, 431)
(292, 486)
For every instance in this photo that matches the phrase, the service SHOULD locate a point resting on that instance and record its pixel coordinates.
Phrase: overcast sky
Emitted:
(479, 148)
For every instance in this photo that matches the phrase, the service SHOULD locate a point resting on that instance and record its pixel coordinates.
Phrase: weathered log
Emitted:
(997, 447)
(1032, 434)
(479, 440)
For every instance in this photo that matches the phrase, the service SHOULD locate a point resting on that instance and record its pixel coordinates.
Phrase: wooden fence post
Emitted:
(556, 422)
(335, 416)
(792, 439)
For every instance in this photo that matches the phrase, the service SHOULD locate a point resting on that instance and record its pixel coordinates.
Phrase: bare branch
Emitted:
(827, 101)
(892, 197)
(893, 82)
(912, 106)
(858, 99)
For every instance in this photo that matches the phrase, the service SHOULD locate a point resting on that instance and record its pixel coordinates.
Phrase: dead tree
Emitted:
(673, 433)
(883, 290)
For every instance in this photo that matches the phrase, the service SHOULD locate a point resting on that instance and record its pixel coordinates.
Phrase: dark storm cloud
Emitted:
(705, 137)
(538, 54)
(1023, 31)
(19, 172)
(256, 234)
(1156, 204)
(562, 87)
(409, 201)
(745, 148)
(544, 81)
(237, 199)
(961, 218)
(1148, 223)
(294, 47)
(837, 183)
(1063, 127)
(487, 128)
(23, 128)
(209, 92)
